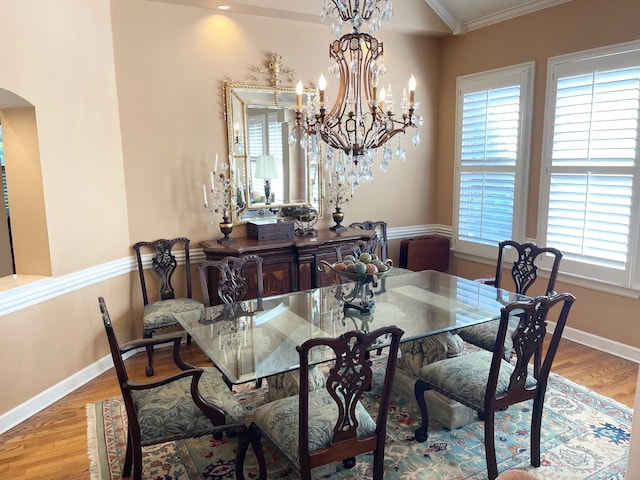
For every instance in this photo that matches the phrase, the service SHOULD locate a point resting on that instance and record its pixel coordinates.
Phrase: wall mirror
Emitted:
(269, 172)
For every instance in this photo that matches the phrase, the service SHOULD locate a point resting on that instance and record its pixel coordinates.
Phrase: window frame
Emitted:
(584, 62)
(522, 75)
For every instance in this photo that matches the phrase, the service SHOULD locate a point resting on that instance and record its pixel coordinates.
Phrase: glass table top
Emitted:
(258, 338)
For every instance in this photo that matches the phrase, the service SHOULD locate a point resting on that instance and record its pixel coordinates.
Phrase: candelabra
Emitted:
(340, 192)
(224, 200)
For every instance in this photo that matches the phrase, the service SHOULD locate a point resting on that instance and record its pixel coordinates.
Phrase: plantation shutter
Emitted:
(255, 134)
(593, 157)
(489, 147)
(3, 176)
(275, 150)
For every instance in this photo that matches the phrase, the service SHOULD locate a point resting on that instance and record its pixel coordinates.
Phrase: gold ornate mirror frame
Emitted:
(269, 172)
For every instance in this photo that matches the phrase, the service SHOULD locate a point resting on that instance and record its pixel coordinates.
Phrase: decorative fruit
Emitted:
(350, 258)
(360, 267)
(371, 268)
(340, 266)
(365, 257)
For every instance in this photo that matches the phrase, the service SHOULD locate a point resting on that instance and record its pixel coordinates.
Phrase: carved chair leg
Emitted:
(126, 469)
(149, 348)
(536, 426)
(188, 339)
(490, 445)
(137, 462)
(250, 435)
(419, 389)
(255, 435)
(241, 453)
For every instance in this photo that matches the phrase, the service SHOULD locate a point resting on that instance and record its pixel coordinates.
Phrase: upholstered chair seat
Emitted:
(483, 335)
(159, 314)
(279, 421)
(165, 413)
(465, 377)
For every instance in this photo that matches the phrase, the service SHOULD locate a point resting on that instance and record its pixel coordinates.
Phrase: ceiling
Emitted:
(427, 17)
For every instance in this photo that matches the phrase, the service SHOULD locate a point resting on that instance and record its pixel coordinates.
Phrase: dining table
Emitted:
(256, 339)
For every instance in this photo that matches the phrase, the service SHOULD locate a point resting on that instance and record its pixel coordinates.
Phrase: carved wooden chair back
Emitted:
(487, 383)
(237, 277)
(163, 264)
(524, 271)
(380, 228)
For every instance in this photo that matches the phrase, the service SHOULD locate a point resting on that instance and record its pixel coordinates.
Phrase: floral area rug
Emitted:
(584, 436)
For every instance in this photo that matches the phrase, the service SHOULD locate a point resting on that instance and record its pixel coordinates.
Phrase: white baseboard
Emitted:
(41, 401)
(598, 343)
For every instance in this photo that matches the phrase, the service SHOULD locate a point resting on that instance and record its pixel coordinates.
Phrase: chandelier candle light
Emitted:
(222, 192)
(363, 118)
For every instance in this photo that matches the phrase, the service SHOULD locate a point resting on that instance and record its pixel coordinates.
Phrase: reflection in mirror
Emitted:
(270, 172)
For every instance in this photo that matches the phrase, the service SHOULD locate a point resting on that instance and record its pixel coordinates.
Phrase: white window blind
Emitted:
(491, 153)
(275, 149)
(590, 163)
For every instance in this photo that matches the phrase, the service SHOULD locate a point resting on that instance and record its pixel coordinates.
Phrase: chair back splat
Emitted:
(524, 271)
(380, 229)
(487, 383)
(331, 424)
(237, 277)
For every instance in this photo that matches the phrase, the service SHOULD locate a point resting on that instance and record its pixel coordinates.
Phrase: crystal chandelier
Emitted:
(363, 118)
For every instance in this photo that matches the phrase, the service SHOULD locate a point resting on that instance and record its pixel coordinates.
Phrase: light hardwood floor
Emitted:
(53, 443)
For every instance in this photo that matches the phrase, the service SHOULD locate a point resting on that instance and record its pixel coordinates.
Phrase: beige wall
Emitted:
(58, 56)
(570, 27)
(170, 64)
(28, 217)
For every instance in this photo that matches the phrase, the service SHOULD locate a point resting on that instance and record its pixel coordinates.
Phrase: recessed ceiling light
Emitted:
(223, 7)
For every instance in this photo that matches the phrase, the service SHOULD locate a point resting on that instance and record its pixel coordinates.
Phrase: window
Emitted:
(590, 162)
(493, 131)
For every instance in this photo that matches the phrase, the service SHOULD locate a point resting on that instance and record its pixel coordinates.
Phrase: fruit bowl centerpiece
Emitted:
(365, 271)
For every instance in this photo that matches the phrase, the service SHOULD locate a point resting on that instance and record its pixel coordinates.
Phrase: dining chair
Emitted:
(380, 228)
(487, 383)
(330, 424)
(524, 274)
(234, 281)
(192, 403)
(158, 313)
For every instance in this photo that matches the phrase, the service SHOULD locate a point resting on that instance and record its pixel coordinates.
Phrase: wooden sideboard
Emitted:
(289, 265)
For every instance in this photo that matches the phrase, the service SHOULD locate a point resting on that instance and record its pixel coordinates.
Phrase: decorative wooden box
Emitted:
(270, 230)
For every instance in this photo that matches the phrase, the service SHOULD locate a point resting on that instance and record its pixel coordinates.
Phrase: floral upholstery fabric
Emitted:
(484, 334)
(465, 377)
(168, 412)
(418, 353)
(160, 314)
(288, 384)
(279, 421)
